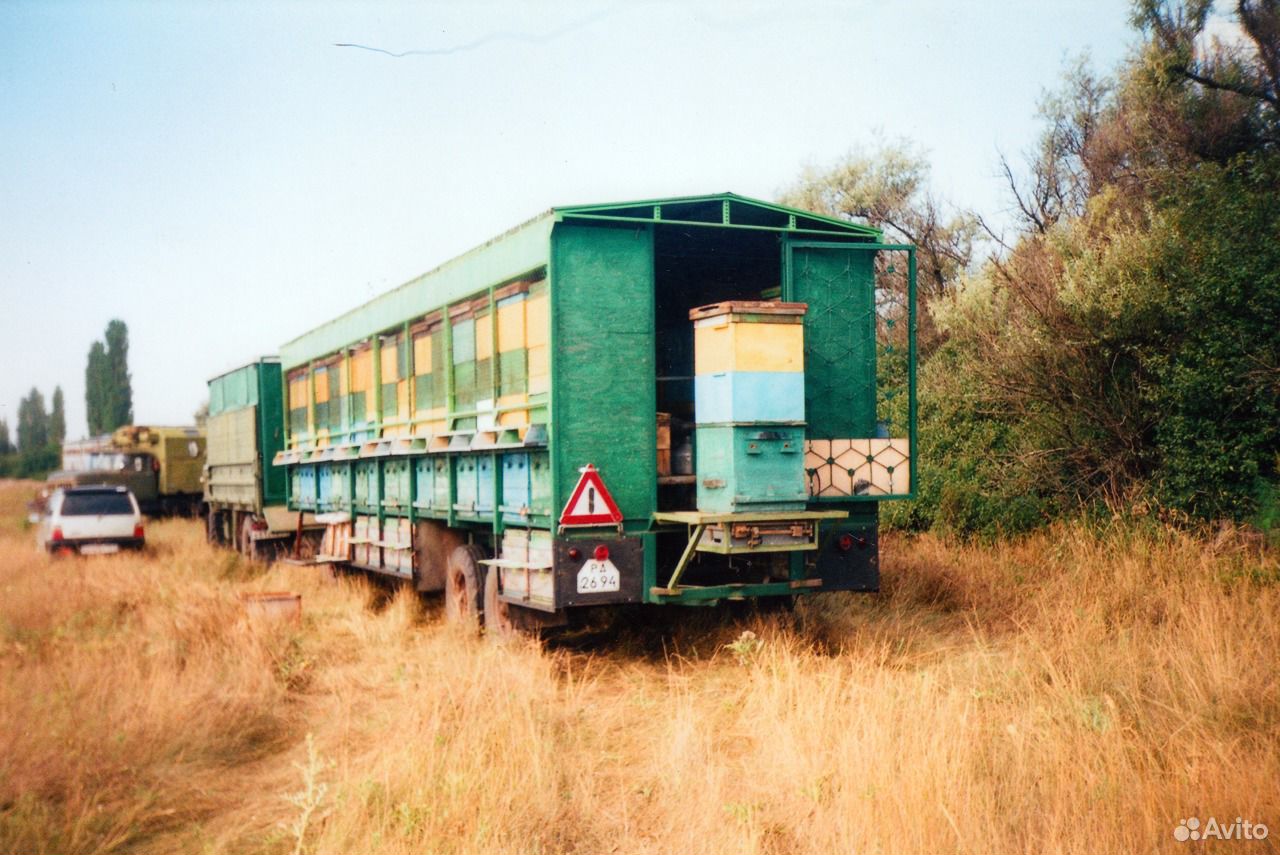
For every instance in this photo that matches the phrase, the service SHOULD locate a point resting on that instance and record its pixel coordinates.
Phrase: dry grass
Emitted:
(1072, 692)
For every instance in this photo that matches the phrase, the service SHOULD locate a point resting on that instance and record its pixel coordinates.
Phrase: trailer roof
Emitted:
(720, 209)
(261, 360)
(527, 247)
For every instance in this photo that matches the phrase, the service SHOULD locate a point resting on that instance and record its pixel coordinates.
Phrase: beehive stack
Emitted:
(749, 406)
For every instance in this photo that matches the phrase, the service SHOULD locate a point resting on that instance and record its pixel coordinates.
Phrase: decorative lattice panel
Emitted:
(858, 467)
(839, 339)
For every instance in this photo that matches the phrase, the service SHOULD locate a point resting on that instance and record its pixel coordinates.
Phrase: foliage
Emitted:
(107, 383)
(970, 479)
(95, 389)
(888, 188)
(33, 422)
(57, 417)
(38, 450)
(1123, 351)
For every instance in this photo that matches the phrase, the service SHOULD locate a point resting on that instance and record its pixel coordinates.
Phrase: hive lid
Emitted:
(747, 307)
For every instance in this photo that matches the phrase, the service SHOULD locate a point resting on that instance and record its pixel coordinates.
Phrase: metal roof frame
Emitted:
(527, 248)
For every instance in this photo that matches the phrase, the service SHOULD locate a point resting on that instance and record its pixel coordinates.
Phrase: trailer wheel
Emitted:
(463, 596)
(247, 546)
(498, 622)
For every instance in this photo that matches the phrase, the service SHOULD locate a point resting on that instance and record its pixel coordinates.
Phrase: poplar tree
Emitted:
(108, 387)
(57, 418)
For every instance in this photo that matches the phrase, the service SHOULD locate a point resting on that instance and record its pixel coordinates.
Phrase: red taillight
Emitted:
(57, 533)
(575, 553)
(137, 531)
(845, 543)
(602, 553)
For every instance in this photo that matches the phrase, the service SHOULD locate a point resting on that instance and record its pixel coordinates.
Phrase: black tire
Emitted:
(463, 587)
(498, 623)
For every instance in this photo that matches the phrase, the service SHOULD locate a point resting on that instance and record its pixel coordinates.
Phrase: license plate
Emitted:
(99, 548)
(598, 576)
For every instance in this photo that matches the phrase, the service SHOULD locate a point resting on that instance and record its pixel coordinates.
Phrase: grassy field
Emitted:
(1071, 692)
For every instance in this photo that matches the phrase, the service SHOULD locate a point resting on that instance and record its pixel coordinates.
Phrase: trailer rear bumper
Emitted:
(826, 552)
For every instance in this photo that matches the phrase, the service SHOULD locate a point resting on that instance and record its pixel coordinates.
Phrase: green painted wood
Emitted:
(513, 372)
(720, 209)
(730, 592)
(506, 257)
(602, 363)
(246, 417)
(235, 389)
(750, 468)
(271, 429)
(838, 284)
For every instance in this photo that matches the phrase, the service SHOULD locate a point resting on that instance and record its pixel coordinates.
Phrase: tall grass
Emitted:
(1070, 692)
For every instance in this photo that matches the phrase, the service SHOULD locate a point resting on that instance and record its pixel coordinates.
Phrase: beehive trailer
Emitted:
(670, 401)
(243, 493)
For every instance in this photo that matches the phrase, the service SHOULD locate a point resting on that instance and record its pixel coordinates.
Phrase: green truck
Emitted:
(671, 401)
(160, 465)
(243, 492)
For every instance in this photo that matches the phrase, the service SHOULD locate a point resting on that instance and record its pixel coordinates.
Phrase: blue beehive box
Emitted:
(307, 487)
(366, 497)
(484, 483)
(734, 397)
(515, 483)
(468, 492)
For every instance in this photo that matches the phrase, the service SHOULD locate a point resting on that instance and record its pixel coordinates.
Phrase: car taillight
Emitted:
(57, 533)
(602, 553)
(137, 531)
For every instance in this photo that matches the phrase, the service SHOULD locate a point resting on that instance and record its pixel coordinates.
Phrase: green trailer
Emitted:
(244, 493)
(673, 401)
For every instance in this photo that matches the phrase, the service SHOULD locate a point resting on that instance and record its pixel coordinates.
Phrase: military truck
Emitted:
(160, 465)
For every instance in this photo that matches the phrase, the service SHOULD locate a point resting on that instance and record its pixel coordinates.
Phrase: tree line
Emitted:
(35, 448)
(1119, 350)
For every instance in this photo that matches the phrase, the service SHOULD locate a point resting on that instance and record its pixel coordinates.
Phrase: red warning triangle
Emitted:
(590, 503)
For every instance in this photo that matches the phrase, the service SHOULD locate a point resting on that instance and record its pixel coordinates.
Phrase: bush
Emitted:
(1131, 354)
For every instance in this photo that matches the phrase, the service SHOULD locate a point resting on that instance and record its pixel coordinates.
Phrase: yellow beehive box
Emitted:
(748, 336)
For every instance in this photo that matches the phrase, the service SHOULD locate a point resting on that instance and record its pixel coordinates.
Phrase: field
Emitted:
(1076, 691)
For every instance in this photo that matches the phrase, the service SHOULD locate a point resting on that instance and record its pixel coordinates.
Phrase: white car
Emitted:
(91, 521)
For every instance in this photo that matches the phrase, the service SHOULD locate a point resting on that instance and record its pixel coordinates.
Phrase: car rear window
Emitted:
(94, 504)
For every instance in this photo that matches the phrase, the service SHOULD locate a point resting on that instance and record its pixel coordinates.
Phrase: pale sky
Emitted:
(223, 178)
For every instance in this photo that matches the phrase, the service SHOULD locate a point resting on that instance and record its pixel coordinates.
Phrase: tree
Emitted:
(108, 389)
(1125, 348)
(1249, 70)
(33, 422)
(95, 389)
(6, 444)
(887, 187)
(1076, 155)
(57, 418)
(120, 410)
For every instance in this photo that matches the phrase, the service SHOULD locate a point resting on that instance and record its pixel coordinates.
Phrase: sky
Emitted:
(224, 177)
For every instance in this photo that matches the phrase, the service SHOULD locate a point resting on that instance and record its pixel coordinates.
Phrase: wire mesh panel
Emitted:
(859, 367)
